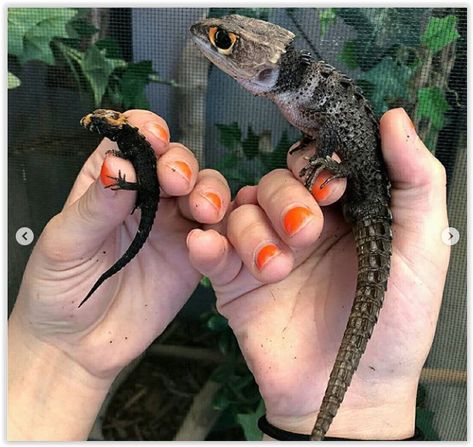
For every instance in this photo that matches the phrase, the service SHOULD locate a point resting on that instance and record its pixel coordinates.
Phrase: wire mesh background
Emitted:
(386, 50)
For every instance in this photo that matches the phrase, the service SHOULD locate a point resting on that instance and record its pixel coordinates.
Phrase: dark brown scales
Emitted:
(373, 243)
(134, 147)
(331, 111)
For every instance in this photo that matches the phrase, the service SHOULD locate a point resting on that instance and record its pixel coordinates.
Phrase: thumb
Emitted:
(83, 225)
(419, 199)
(410, 164)
(212, 255)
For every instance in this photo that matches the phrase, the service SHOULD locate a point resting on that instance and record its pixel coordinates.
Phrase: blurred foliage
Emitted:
(246, 159)
(424, 416)
(395, 59)
(66, 38)
(239, 397)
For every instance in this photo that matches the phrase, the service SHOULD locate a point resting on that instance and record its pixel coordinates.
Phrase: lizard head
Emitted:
(247, 49)
(104, 121)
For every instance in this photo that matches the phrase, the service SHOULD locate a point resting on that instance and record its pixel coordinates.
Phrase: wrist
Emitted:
(388, 421)
(50, 397)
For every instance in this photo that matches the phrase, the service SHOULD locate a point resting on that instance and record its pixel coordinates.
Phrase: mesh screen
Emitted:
(143, 58)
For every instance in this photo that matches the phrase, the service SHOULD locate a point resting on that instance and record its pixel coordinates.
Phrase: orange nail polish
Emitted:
(182, 168)
(159, 131)
(265, 254)
(317, 192)
(214, 199)
(295, 219)
(105, 174)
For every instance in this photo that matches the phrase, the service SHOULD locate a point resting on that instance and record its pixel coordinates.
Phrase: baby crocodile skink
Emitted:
(330, 110)
(134, 147)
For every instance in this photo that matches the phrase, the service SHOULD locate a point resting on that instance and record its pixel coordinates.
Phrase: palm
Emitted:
(131, 308)
(290, 331)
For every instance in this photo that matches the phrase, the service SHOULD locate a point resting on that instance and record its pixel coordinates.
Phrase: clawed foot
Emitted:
(316, 165)
(121, 183)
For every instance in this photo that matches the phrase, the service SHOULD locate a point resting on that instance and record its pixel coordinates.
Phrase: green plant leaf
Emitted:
(277, 158)
(390, 83)
(380, 30)
(97, 69)
(13, 81)
(80, 27)
(221, 400)
(31, 30)
(432, 105)
(222, 373)
(230, 135)
(111, 47)
(440, 32)
(205, 282)
(327, 18)
(249, 423)
(348, 55)
(217, 323)
(133, 82)
(424, 420)
(250, 144)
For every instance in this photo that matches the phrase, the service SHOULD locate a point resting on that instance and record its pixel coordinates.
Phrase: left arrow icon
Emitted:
(24, 236)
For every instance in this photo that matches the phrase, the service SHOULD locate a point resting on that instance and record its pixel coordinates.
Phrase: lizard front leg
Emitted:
(327, 143)
(121, 183)
(316, 165)
(302, 144)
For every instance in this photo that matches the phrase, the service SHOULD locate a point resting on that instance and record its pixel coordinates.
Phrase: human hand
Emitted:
(289, 313)
(93, 343)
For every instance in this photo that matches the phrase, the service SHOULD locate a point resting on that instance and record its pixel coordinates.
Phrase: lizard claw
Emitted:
(120, 182)
(316, 165)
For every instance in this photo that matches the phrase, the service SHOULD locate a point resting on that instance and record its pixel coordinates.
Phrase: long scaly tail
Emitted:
(373, 238)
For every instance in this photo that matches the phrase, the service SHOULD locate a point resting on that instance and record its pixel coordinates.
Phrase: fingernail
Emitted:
(321, 193)
(182, 168)
(295, 219)
(191, 233)
(105, 174)
(408, 126)
(265, 254)
(214, 199)
(158, 131)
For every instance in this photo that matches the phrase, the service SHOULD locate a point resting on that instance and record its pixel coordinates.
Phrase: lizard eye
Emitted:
(222, 40)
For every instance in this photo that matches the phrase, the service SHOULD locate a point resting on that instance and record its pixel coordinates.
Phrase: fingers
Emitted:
(410, 164)
(83, 224)
(153, 128)
(258, 245)
(177, 170)
(290, 207)
(419, 200)
(209, 199)
(212, 255)
(325, 194)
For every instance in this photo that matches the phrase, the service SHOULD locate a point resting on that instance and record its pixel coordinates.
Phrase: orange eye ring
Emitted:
(222, 40)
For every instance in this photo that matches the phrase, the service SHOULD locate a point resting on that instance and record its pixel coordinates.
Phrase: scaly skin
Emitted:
(331, 110)
(134, 147)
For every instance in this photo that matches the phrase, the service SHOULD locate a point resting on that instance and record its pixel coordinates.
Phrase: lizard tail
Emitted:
(373, 239)
(148, 214)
